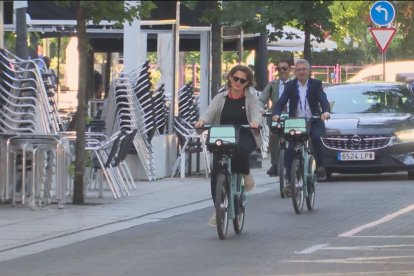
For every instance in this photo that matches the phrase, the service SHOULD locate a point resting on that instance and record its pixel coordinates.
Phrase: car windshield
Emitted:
(370, 99)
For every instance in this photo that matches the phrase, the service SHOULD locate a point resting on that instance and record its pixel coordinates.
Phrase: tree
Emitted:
(312, 17)
(352, 22)
(117, 11)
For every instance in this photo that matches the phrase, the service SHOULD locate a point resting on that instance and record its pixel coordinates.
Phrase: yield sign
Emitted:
(383, 37)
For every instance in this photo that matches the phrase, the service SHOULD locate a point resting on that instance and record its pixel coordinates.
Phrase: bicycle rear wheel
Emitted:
(282, 172)
(222, 205)
(297, 186)
(310, 199)
(239, 210)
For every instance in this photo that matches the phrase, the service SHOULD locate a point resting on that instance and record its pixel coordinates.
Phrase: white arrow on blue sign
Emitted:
(382, 13)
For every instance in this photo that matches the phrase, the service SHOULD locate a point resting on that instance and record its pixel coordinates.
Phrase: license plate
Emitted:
(356, 156)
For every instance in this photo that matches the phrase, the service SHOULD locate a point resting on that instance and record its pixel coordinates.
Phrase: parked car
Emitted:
(371, 129)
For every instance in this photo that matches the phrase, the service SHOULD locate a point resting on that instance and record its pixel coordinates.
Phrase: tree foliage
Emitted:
(312, 17)
(353, 21)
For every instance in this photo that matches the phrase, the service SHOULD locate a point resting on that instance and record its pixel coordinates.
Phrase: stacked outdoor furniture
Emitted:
(160, 109)
(189, 141)
(32, 152)
(129, 107)
(188, 104)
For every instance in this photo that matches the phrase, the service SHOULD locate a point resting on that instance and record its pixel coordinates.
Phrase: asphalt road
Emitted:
(361, 225)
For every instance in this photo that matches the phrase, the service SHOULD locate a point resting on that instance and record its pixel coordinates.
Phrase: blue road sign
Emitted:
(382, 13)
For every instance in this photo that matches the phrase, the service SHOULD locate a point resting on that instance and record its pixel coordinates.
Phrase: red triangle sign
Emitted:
(383, 37)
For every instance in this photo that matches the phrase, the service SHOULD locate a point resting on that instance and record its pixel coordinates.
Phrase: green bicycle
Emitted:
(230, 199)
(303, 178)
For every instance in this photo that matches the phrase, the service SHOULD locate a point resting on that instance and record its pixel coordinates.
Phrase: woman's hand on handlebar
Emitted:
(199, 124)
(275, 118)
(254, 125)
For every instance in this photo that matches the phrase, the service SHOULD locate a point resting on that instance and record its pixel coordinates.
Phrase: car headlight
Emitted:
(405, 135)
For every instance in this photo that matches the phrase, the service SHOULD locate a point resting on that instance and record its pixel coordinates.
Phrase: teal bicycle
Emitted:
(303, 178)
(277, 128)
(230, 199)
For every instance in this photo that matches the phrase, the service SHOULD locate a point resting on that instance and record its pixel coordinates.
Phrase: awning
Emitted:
(297, 44)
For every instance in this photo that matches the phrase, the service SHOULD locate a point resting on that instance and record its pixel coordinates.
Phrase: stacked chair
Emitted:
(189, 141)
(160, 110)
(29, 126)
(130, 108)
(188, 104)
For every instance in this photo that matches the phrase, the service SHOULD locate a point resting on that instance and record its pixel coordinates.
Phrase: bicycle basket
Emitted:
(222, 137)
(300, 125)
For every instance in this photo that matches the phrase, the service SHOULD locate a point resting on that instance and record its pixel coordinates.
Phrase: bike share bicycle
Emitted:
(230, 199)
(303, 179)
(277, 129)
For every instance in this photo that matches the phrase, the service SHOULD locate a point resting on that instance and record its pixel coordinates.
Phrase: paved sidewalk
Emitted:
(24, 231)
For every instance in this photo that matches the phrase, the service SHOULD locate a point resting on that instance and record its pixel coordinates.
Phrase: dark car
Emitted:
(371, 129)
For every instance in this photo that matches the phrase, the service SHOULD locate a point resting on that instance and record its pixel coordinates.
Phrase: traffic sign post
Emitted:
(382, 13)
(383, 37)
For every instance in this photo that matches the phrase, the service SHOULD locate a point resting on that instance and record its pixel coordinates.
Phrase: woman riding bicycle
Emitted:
(306, 99)
(236, 106)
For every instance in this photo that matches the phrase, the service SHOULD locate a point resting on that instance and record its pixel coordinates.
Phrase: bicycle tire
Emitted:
(297, 185)
(310, 199)
(282, 172)
(239, 210)
(221, 205)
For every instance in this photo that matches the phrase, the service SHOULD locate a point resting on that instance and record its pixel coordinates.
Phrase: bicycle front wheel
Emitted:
(239, 200)
(297, 186)
(222, 205)
(310, 199)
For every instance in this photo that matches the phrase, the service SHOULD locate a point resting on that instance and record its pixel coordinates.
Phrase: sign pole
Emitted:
(382, 13)
(383, 66)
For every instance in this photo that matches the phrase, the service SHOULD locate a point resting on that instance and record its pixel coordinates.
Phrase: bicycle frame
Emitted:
(230, 199)
(301, 152)
(234, 183)
(303, 179)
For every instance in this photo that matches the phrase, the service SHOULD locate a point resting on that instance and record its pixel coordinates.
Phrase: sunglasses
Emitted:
(237, 79)
(284, 68)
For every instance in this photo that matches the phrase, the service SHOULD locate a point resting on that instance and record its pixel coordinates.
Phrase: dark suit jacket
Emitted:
(316, 98)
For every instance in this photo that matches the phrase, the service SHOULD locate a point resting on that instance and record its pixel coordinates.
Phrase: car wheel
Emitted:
(410, 175)
(328, 176)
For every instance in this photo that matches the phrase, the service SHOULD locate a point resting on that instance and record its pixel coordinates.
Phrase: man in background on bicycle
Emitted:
(306, 99)
(270, 95)
(237, 105)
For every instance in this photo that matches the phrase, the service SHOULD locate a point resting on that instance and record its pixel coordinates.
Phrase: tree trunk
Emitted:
(78, 196)
(216, 51)
(260, 62)
(307, 48)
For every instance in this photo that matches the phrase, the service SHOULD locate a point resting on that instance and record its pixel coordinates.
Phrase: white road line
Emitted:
(387, 237)
(372, 247)
(312, 249)
(377, 222)
(371, 273)
(402, 260)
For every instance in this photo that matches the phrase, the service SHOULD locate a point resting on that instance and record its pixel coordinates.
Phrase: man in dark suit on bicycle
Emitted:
(306, 99)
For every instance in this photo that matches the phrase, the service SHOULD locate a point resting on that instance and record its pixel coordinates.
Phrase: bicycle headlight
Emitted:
(405, 135)
(219, 142)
